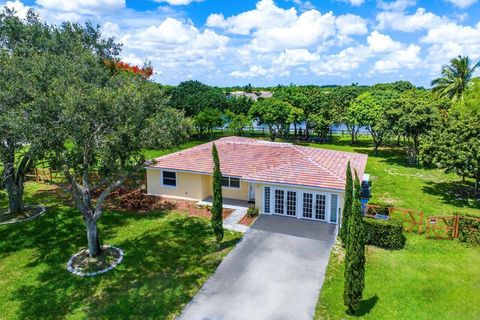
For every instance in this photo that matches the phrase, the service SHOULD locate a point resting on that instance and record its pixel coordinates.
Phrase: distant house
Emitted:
(280, 178)
(253, 95)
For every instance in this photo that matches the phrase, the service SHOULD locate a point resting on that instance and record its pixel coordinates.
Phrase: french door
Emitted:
(285, 202)
(314, 206)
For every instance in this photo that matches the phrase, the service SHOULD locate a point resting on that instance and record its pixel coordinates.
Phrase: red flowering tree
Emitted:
(120, 66)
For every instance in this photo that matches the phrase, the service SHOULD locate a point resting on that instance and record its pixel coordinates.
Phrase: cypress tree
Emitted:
(347, 205)
(355, 254)
(217, 218)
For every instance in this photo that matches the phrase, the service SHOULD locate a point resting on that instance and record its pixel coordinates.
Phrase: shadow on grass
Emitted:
(455, 193)
(366, 305)
(167, 257)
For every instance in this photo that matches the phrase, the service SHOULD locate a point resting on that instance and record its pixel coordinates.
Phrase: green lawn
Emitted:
(168, 256)
(428, 279)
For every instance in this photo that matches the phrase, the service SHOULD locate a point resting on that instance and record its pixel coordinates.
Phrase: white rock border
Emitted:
(80, 273)
(43, 209)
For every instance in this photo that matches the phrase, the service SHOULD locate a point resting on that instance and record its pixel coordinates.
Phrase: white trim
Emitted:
(166, 185)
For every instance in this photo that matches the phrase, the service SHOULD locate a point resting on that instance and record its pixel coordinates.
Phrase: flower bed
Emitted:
(82, 265)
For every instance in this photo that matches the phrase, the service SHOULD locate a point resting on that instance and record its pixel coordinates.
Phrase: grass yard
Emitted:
(168, 256)
(428, 279)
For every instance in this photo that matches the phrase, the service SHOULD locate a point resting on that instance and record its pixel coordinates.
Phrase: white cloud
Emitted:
(253, 71)
(178, 2)
(400, 21)
(266, 15)
(355, 2)
(453, 32)
(350, 24)
(343, 62)
(397, 5)
(380, 43)
(304, 5)
(82, 6)
(450, 40)
(319, 27)
(295, 57)
(462, 3)
(404, 58)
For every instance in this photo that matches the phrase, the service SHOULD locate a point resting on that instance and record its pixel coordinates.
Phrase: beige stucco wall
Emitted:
(241, 194)
(192, 186)
(189, 185)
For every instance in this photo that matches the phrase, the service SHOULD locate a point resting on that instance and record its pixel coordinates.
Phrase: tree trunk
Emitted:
(13, 185)
(92, 237)
(295, 128)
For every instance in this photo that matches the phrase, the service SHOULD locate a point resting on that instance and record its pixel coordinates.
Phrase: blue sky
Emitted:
(270, 42)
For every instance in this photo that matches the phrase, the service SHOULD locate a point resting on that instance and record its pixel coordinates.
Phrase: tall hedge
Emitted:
(386, 234)
(217, 218)
(347, 205)
(469, 230)
(355, 254)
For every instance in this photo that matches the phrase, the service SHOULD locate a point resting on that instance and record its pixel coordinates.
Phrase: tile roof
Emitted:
(271, 162)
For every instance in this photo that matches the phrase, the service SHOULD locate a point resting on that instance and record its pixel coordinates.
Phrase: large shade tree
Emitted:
(274, 113)
(415, 112)
(32, 54)
(193, 97)
(100, 118)
(455, 78)
(341, 99)
(454, 142)
(371, 110)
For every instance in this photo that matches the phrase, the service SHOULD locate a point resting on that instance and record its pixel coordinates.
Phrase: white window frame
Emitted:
(166, 185)
(229, 183)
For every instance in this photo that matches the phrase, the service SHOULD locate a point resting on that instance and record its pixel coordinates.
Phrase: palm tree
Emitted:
(455, 78)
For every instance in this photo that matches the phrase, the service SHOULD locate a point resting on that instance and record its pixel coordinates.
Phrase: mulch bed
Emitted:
(138, 200)
(247, 220)
(29, 213)
(81, 264)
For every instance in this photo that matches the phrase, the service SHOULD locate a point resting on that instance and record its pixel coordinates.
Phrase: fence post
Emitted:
(420, 226)
(36, 175)
(455, 226)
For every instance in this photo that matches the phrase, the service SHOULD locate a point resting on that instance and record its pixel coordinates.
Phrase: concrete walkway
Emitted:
(232, 221)
(275, 272)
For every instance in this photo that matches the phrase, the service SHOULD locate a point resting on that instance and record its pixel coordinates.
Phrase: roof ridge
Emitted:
(318, 164)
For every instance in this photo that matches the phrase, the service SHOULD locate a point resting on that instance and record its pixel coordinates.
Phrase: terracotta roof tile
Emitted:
(271, 162)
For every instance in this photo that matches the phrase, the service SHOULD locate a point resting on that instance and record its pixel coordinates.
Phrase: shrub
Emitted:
(252, 212)
(469, 230)
(386, 234)
(383, 207)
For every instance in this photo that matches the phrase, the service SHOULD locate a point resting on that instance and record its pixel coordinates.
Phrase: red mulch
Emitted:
(193, 209)
(138, 200)
(247, 220)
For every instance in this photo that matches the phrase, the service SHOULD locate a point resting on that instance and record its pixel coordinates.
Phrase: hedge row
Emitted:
(386, 234)
(469, 230)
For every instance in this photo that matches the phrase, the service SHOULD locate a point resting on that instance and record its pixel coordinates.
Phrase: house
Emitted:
(252, 95)
(280, 178)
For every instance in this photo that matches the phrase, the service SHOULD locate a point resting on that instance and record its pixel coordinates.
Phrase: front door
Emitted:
(251, 192)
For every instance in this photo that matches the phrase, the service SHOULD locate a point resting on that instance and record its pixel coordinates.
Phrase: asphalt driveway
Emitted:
(275, 272)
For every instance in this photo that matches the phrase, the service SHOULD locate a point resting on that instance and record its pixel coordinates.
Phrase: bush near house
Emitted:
(387, 234)
(252, 212)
